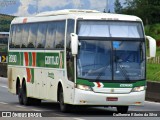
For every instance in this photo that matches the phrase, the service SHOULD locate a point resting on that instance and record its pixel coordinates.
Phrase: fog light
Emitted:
(84, 87)
(82, 101)
(138, 89)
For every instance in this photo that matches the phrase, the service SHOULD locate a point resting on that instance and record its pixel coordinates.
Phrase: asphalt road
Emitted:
(9, 102)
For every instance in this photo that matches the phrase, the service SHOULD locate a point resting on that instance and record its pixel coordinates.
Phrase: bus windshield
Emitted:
(110, 29)
(98, 61)
(111, 59)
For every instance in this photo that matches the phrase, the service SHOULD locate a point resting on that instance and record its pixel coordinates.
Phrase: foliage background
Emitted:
(5, 21)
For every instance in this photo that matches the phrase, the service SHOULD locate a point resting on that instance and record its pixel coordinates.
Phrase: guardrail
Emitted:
(155, 60)
(153, 91)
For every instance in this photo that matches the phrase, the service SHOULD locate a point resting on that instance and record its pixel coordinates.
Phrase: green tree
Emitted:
(117, 7)
(130, 7)
(147, 10)
(5, 21)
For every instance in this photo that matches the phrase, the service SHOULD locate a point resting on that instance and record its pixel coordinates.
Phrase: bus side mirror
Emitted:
(152, 46)
(74, 44)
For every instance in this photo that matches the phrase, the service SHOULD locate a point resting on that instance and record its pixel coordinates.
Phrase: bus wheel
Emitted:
(122, 109)
(20, 96)
(26, 100)
(64, 107)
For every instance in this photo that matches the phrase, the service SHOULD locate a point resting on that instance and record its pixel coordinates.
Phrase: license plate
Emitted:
(112, 99)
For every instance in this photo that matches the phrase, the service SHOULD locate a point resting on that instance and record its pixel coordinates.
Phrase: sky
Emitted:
(29, 7)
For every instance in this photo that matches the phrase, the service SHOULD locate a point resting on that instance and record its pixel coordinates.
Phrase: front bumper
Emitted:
(83, 97)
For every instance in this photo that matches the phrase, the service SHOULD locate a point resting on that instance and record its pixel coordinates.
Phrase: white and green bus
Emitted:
(78, 57)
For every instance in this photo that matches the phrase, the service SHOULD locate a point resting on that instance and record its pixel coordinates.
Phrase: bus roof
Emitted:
(74, 14)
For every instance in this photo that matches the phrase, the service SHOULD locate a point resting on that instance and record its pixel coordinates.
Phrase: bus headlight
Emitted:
(84, 87)
(138, 89)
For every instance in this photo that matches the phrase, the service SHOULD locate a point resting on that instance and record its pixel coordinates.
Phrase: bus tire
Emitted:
(63, 107)
(26, 100)
(122, 109)
(20, 95)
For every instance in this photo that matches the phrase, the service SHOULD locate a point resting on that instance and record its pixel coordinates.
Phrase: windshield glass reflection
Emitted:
(99, 60)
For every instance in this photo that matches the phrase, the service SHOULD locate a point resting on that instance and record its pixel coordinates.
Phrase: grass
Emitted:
(153, 72)
(153, 30)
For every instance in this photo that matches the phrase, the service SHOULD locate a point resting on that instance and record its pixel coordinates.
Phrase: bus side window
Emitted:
(60, 34)
(10, 37)
(51, 35)
(69, 57)
(32, 35)
(13, 36)
(70, 29)
(30, 45)
(18, 36)
(25, 34)
(41, 35)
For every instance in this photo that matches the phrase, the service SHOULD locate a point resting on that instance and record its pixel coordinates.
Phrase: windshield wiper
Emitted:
(91, 70)
(101, 73)
(105, 67)
(124, 72)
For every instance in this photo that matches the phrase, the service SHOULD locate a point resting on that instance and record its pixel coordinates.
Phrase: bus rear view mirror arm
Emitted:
(152, 47)
(74, 44)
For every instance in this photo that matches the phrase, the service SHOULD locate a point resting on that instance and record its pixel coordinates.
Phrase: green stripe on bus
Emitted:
(49, 60)
(32, 74)
(111, 85)
(140, 83)
(85, 82)
(22, 56)
(40, 60)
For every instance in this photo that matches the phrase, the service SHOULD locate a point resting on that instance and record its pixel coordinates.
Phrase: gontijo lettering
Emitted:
(53, 60)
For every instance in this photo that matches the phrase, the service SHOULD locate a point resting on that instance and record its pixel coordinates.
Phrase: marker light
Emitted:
(138, 89)
(83, 87)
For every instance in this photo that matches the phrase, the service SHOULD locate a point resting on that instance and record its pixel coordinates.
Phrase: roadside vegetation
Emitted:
(153, 30)
(153, 69)
(153, 72)
(5, 21)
